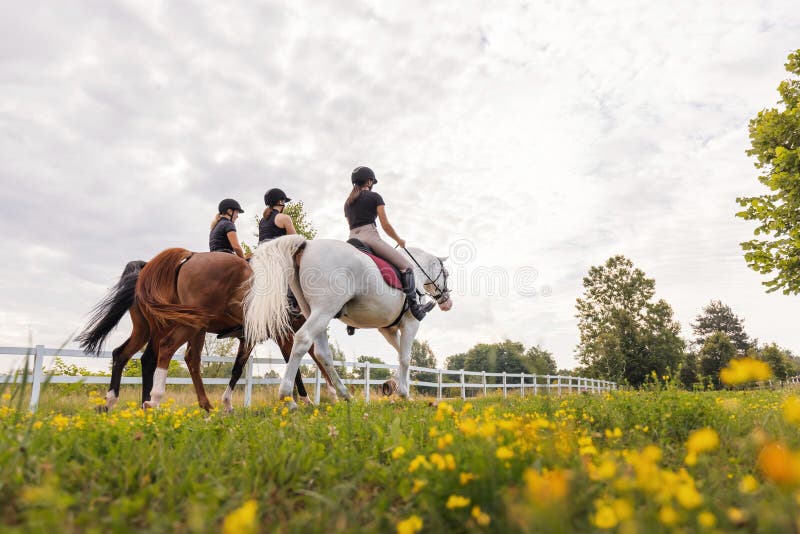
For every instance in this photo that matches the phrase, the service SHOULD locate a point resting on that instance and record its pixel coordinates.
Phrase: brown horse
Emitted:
(121, 299)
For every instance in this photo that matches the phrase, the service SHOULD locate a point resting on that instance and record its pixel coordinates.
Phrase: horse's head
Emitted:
(432, 275)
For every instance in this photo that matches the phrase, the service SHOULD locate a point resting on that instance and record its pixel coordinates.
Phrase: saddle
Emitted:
(388, 271)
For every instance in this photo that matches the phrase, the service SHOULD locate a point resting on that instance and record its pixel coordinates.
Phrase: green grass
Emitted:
(338, 467)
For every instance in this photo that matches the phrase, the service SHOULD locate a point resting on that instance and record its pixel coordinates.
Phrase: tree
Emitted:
(778, 360)
(227, 348)
(422, 356)
(507, 356)
(625, 336)
(715, 355)
(540, 361)
(775, 141)
(718, 317)
(374, 374)
(689, 374)
(302, 224)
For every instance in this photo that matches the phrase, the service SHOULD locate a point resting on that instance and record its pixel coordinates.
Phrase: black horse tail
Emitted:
(107, 313)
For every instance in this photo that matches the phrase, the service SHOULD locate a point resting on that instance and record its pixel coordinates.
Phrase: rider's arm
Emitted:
(234, 241)
(388, 228)
(284, 221)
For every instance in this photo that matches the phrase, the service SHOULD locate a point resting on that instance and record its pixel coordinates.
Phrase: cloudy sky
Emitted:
(530, 139)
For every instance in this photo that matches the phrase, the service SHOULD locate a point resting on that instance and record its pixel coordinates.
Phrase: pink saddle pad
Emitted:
(388, 272)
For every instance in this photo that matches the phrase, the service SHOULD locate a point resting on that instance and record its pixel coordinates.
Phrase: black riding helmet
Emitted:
(229, 204)
(362, 175)
(275, 195)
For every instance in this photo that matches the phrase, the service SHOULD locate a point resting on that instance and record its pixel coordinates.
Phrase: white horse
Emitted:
(333, 279)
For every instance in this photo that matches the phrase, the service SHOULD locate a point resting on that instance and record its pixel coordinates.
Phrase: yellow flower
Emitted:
(456, 501)
(410, 525)
(242, 520)
(416, 463)
(688, 496)
(605, 518)
(418, 485)
(778, 464)
(622, 508)
(736, 516)
(444, 441)
(667, 515)
(487, 429)
(37, 425)
(703, 440)
(546, 487)
(283, 424)
(743, 370)
(481, 518)
(706, 519)
(791, 410)
(748, 484)
(465, 478)
(504, 453)
(468, 427)
(398, 452)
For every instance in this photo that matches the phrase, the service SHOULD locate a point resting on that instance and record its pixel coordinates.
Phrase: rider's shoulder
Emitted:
(376, 197)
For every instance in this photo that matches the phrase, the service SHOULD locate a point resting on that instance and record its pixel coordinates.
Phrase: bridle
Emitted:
(442, 293)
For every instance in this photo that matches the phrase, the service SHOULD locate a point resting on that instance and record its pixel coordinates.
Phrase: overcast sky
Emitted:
(533, 139)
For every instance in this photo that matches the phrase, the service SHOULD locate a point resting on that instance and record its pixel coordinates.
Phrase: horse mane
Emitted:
(106, 314)
(156, 291)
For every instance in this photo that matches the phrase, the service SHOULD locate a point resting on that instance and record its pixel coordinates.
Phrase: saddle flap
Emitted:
(388, 271)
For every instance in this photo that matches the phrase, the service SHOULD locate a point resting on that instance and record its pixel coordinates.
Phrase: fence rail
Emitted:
(524, 382)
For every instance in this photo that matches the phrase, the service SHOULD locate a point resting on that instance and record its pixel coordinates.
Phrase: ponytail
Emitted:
(354, 194)
(217, 217)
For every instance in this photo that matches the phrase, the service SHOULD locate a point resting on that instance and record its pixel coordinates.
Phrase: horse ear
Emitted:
(443, 258)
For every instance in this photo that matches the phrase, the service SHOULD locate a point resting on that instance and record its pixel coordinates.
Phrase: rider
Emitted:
(362, 207)
(275, 223)
(223, 236)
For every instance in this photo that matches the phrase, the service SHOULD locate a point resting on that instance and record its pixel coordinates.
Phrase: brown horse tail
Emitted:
(157, 295)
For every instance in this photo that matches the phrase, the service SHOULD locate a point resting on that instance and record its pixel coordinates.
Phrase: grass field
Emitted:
(645, 461)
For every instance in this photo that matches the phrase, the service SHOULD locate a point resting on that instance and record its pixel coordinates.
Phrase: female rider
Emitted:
(275, 223)
(223, 236)
(361, 209)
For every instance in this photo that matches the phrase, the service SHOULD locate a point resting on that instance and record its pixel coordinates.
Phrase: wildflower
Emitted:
(622, 508)
(667, 515)
(7, 397)
(444, 441)
(706, 519)
(743, 370)
(688, 496)
(418, 485)
(242, 520)
(465, 478)
(398, 452)
(703, 440)
(456, 501)
(736, 516)
(284, 412)
(605, 518)
(616, 433)
(748, 484)
(546, 487)
(443, 410)
(480, 517)
(60, 422)
(416, 463)
(487, 430)
(791, 410)
(504, 453)
(778, 464)
(410, 525)
(37, 425)
(468, 427)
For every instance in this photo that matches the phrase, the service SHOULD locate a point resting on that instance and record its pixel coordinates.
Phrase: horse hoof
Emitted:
(102, 409)
(388, 387)
(149, 405)
(305, 400)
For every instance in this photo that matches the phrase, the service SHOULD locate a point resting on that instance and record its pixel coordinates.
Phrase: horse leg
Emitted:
(167, 346)
(285, 344)
(328, 381)
(236, 373)
(408, 331)
(192, 359)
(325, 356)
(311, 331)
(122, 355)
(148, 362)
(392, 336)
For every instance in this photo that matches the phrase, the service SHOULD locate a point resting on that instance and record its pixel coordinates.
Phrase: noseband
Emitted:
(442, 293)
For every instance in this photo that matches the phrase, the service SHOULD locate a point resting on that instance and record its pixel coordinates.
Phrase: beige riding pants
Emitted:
(368, 234)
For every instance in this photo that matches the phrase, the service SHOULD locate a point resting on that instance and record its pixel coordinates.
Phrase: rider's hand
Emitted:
(401, 243)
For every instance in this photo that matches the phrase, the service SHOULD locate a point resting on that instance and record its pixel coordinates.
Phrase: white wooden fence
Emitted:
(523, 383)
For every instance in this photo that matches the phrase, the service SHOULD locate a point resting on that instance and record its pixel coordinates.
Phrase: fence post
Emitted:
(483, 381)
(248, 385)
(463, 388)
(505, 390)
(559, 385)
(366, 382)
(535, 385)
(318, 386)
(439, 386)
(36, 386)
(522, 385)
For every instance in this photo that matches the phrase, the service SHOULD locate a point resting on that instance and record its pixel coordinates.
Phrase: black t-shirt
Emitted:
(267, 229)
(218, 239)
(364, 210)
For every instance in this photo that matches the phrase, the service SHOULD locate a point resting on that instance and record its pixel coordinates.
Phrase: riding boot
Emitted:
(294, 306)
(410, 289)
